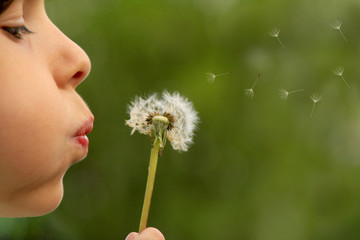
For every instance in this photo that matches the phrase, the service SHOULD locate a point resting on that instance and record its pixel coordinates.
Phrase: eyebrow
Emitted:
(4, 4)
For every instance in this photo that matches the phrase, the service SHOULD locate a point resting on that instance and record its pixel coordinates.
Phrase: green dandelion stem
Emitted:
(257, 79)
(281, 43)
(312, 111)
(149, 185)
(299, 90)
(343, 35)
(345, 81)
(223, 74)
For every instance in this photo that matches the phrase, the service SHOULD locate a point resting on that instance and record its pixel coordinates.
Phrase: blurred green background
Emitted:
(260, 169)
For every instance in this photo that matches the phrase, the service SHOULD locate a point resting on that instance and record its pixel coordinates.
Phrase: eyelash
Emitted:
(18, 32)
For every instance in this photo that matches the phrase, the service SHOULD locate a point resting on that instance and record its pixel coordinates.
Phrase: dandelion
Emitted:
(211, 77)
(339, 72)
(284, 94)
(171, 118)
(275, 33)
(315, 98)
(250, 92)
(337, 26)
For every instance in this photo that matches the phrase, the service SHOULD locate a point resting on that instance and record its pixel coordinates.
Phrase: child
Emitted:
(43, 121)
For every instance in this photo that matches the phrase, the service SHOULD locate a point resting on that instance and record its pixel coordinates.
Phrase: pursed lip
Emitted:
(80, 135)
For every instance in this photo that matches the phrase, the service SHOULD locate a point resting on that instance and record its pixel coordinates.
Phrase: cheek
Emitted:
(34, 132)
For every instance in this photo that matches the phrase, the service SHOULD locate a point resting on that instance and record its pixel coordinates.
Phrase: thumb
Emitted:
(151, 234)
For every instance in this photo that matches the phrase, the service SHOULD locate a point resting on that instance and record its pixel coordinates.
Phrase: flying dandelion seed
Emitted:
(250, 92)
(337, 26)
(275, 33)
(315, 98)
(211, 77)
(284, 94)
(339, 72)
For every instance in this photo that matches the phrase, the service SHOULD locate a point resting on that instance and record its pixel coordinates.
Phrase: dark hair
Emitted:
(4, 4)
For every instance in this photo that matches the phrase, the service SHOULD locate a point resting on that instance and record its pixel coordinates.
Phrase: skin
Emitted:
(148, 234)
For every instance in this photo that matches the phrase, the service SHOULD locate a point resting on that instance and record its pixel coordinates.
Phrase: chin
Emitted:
(46, 201)
(34, 203)
(48, 206)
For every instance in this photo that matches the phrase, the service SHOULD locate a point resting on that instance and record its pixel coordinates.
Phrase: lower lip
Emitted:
(82, 140)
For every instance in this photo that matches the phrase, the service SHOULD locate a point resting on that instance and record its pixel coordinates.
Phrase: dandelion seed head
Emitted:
(336, 24)
(210, 77)
(283, 94)
(315, 97)
(178, 110)
(338, 71)
(249, 93)
(274, 32)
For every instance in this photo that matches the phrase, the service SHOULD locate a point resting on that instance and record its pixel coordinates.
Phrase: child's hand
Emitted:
(148, 234)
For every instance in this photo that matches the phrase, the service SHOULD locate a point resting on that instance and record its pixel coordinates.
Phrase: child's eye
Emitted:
(17, 32)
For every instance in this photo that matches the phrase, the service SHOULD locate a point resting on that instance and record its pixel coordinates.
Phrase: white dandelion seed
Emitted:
(337, 26)
(250, 92)
(275, 33)
(315, 98)
(284, 94)
(339, 72)
(178, 113)
(211, 77)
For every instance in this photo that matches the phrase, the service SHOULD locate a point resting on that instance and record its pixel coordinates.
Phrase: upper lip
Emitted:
(85, 128)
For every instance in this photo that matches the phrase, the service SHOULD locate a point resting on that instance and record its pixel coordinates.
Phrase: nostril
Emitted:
(77, 78)
(78, 75)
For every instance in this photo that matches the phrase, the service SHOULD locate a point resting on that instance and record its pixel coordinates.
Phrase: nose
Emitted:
(70, 64)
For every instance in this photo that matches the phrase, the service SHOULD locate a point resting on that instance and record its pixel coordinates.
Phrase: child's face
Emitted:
(42, 119)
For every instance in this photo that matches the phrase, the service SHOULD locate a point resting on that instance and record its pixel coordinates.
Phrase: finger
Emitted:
(152, 233)
(131, 236)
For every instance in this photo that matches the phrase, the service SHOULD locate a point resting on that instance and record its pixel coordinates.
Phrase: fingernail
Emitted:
(131, 236)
